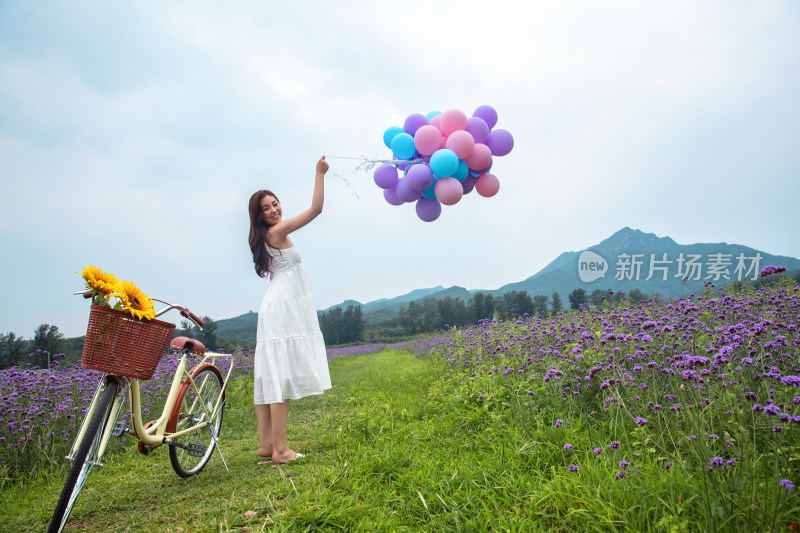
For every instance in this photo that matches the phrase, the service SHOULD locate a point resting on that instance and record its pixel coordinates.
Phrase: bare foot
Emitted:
(289, 456)
(265, 451)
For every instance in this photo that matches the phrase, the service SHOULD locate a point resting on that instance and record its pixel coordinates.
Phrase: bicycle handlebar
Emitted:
(183, 310)
(193, 317)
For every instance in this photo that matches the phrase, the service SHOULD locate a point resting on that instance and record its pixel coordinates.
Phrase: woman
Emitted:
(290, 359)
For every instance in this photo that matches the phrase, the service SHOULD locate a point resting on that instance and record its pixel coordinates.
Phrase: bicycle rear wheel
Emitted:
(85, 458)
(190, 453)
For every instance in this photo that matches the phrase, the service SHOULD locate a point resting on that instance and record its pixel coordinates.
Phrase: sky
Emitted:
(132, 135)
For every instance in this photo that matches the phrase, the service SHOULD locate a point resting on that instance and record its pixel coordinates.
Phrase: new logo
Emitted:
(591, 266)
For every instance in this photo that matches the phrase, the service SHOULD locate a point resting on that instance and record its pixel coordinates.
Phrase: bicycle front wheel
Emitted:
(85, 458)
(190, 453)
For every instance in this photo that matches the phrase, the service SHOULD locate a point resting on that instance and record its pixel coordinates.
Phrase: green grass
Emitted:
(392, 447)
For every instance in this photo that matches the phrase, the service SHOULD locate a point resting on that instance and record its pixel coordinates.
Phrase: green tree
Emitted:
(208, 335)
(556, 302)
(518, 303)
(637, 296)
(598, 297)
(540, 305)
(47, 342)
(577, 298)
(481, 306)
(13, 350)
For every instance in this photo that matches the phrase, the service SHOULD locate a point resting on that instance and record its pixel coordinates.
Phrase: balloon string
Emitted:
(367, 164)
(346, 183)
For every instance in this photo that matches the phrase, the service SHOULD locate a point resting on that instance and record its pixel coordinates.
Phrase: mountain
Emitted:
(629, 259)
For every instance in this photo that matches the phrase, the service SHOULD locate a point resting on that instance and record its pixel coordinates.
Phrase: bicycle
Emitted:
(190, 421)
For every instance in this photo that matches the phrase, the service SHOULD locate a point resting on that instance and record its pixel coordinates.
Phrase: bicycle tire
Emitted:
(208, 381)
(84, 460)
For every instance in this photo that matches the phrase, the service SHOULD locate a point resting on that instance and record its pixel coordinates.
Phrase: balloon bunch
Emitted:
(442, 156)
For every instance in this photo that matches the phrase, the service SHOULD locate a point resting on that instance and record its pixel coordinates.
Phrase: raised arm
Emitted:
(279, 232)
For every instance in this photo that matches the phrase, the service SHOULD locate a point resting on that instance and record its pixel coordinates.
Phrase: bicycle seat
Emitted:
(190, 345)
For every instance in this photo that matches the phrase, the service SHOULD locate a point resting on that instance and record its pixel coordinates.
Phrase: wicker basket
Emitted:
(119, 344)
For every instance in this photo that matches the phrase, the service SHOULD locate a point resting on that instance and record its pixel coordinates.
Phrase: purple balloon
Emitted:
(390, 195)
(385, 176)
(428, 210)
(419, 177)
(414, 122)
(488, 114)
(500, 142)
(478, 128)
(468, 184)
(405, 191)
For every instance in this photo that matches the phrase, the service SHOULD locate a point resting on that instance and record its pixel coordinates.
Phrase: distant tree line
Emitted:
(342, 326)
(47, 344)
(345, 326)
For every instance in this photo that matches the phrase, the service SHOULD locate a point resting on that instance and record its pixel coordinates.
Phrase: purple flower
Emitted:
(573, 468)
(620, 474)
(732, 462)
(640, 421)
(794, 381)
(614, 445)
(559, 422)
(717, 461)
(568, 446)
(786, 484)
(623, 464)
(667, 465)
(771, 269)
(598, 451)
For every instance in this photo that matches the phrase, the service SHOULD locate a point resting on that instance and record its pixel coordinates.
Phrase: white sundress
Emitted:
(290, 358)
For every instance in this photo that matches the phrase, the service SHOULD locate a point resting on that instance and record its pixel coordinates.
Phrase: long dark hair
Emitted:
(258, 233)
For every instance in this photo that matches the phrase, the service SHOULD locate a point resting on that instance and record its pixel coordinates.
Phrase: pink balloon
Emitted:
(437, 122)
(462, 143)
(453, 120)
(480, 158)
(448, 191)
(427, 139)
(487, 185)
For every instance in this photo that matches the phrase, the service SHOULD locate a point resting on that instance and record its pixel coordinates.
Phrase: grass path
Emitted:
(375, 448)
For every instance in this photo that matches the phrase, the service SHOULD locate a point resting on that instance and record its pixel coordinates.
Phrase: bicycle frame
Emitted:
(156, 433)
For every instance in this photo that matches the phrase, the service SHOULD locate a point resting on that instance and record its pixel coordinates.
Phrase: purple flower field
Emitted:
(41, 410)
(705, 390)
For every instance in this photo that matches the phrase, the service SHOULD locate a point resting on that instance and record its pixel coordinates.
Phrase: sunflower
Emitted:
(137, 303)
(99, 282)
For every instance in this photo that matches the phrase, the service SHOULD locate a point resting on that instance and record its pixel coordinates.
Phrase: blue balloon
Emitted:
(430, 192)
(403, 146)
(390, 133)
(462, 172)
(444, 163)
(432, 114)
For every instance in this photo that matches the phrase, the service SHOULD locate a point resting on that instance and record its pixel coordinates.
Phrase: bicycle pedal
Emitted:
(119, 428)
(195, 449)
